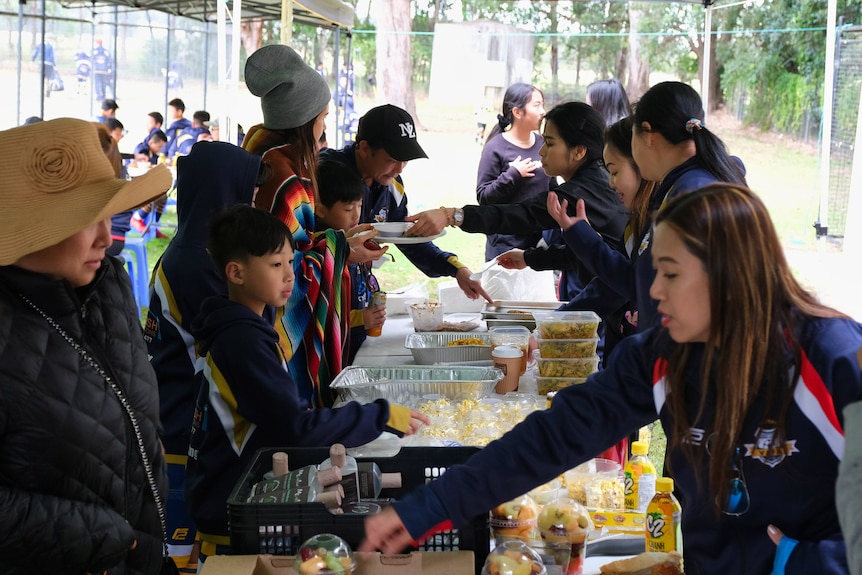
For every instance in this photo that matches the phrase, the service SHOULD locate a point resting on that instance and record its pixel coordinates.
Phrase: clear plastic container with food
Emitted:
(578, 367)
(566, 324)
(552, 348)
(567, 521)
(515, 519)
(513, 558)
(325, 554)
(547, 492)
(596, 483)
(545, 385)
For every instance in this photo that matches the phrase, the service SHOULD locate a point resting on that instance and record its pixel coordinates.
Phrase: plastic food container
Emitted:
(545, 385)
(573, 368)
(516, 519)
(513, 558)
(567, 521)
(566, 324)
(427, 316)
(448, 347)
(325, 553)
(596, 484)
(558, 348)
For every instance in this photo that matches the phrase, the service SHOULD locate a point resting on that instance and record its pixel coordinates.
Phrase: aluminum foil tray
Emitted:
(407, 385)
(508, 309)
(432, 347)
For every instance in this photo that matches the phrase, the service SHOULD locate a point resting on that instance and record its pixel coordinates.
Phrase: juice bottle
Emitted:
(640, 478)
(663, 532)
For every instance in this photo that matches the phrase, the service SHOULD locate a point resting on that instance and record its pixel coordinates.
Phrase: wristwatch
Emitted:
(458, 217)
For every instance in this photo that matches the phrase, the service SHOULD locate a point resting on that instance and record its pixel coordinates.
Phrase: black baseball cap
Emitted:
(391, 128)
(109, 104)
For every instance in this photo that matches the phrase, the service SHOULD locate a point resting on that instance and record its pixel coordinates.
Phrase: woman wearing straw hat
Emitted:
(81, 471)
(315, 324)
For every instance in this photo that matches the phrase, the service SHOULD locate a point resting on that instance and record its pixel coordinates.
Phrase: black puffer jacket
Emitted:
(73, 491)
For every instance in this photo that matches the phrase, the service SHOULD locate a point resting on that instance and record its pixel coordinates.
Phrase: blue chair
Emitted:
(139, 271)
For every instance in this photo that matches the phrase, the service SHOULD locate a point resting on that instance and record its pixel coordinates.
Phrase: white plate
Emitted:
(405, 241)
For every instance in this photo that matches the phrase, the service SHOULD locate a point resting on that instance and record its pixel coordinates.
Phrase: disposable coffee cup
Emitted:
(376, 298)
(507, 359)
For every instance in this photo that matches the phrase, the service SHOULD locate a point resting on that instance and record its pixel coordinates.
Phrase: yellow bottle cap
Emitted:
(639, 448)
(664, 484)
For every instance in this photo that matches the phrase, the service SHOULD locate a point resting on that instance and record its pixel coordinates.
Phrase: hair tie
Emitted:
(503, 121)
(693, 124)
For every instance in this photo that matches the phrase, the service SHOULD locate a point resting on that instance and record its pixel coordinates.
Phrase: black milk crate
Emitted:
(280, 529)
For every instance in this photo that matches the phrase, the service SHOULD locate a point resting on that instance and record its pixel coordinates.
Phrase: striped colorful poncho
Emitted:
(314, 324)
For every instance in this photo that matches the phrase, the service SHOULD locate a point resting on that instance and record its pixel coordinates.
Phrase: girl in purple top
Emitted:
(510, 170)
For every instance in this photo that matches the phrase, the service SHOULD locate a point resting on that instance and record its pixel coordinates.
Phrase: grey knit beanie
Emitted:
(291, 92)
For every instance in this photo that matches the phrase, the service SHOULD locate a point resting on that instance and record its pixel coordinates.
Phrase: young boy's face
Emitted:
(342, 215)
(156, 147)
(265, 280)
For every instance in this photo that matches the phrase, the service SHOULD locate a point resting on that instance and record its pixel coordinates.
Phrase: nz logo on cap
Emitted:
(407, 130)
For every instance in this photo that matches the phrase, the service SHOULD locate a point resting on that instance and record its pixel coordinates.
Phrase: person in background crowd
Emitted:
(748, 374)
(103, 70)
(194, 134)
(149, 150)
(81, 486)
(109, 110)
(32, 120)
(214, 176)
(154, 124)
(385, 142)
(314, 325)
(82, 70)
(609, 98)
(243, 387)
(340, 206)
(119, 221)
(176, 109)
(672, 146)
(44, 54)
(116, 127)
(510, 170)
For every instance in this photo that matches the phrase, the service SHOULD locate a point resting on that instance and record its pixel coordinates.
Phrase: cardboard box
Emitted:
(619, 521)
(417, 563)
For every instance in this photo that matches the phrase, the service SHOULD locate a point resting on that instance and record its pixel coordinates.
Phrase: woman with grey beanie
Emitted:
(315, 322)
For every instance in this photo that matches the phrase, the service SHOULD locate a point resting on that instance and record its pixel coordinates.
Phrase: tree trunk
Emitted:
(638, 64)
(251, 34)
(555, 53)
(394, 70)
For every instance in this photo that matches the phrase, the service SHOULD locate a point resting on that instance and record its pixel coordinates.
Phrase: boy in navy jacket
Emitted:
(246, 399)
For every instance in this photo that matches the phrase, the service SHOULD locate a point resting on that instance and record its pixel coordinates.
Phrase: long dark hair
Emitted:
(619, 137)
(517, 96)
(609, 98)
(755, 306)
(579, 125)
(303, 140)
(675, 111)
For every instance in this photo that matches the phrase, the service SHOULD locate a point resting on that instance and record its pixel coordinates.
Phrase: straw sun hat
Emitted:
(55, 181)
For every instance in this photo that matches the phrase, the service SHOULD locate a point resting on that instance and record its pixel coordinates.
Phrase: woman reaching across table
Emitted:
(748, 374)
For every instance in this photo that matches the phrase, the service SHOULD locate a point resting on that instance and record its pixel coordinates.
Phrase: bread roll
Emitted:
(648, 563)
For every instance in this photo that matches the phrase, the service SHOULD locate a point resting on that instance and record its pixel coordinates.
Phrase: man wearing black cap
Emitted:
(385, 142)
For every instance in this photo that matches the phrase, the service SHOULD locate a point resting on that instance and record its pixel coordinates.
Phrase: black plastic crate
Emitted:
(280, 529)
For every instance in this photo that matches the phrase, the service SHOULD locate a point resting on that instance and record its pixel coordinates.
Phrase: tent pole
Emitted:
(822, 223)
(20, 55)
(286, 22)
(116, 62)
(336, 71)
(168, 59)
(707, 60)
(206, 57)
(42, 67)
